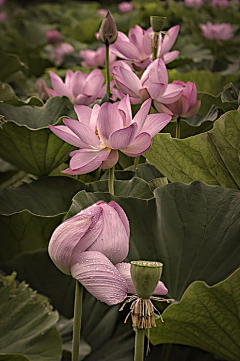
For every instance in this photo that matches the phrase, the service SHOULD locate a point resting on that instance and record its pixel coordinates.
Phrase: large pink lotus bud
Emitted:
(108, 30)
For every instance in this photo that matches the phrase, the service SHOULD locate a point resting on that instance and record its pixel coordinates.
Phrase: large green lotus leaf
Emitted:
(208, 100)
(206, 317)
(30, 213)
(8, 96)
(212, 157)
(27, 142)
(193, 229)
(205, 81)
(28, 324)
(10, 64)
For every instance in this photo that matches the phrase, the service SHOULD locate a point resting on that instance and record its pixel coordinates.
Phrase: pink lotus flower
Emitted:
(60, 52)
(186, 106)
(194, 3)
(3, 16)
(103, 130)
(53, 37)
(2, 2)
(219, 32)
(94, 59)
(102, 12)
(78, 87)
(153, 83)
(136, 48)
(221, 3)
(125, 6)
(91, 247)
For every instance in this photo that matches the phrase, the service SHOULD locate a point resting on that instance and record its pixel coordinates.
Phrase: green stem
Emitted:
(178, 128)
(107, 71)
(155, 45)
(111, 181)
(97, 174)
(77, 321)
(136, 161)
(139, 344)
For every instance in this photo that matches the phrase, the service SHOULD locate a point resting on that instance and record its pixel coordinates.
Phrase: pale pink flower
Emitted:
(153, 83)
(218, 32)
(125, 6)
(136, 48)
(221, 3)
(53, 37)
(3, 16)
(194, 3)
(2, 2)
(93, 59)
(186, 106)
(60, 52)
(78, 87)
(104, 130)
(102, 12)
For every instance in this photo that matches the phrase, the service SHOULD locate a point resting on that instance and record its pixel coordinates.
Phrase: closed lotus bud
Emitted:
(145, 276)
(101, 227)
(108, 30)
(157, 23)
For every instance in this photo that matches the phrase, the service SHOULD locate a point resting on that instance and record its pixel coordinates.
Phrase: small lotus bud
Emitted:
(157, 23)
(108, 31)
(145, 276)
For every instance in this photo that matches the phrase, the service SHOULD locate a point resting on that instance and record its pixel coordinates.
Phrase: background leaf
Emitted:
(206, 317)
(27, 323)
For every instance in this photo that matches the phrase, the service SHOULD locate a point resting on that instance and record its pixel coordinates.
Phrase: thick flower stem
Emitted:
(107, 71)
(111, 181)
(155, 45)
(139, 344)
(178, 128)
(77, 321)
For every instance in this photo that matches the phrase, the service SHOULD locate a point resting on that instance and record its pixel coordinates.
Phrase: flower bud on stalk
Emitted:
(108, 30)
(157, 24)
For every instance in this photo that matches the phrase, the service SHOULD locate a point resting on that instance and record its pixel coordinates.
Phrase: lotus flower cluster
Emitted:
(78, 87)
(102, 131)
(136, 48)
(91, 247)
(194, 3)
(219, 32)
(153, 83)
(125, 6)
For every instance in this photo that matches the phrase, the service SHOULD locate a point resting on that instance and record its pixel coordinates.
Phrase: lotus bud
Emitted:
(108, 30)
(145, 276)
(157, 23)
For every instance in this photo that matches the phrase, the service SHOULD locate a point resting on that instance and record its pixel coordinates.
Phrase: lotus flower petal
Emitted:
(139, 146)
(100, 277)
(84, 133)
(67, 135)
(156, 122)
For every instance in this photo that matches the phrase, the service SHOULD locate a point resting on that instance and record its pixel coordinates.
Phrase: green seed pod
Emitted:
(145, 276)
(157, 23)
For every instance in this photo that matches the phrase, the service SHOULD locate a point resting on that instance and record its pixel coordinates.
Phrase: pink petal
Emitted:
(139, 146)
(94, 82)
(156, 122)
(127, 80)
(99, 276)
(156, 90)
(141, 115)
(169, 39)
(77, 83)
(113, 241)
(127, 50)
(84, 133)
(83, 113)
(123, 137)
(157, 72)
(67, 135)
(124, 106)
(170, 56)
(108, 121)
(161, 289)
(161, 108)
(80, 230)
(111, 160)
(171, 94)
(122, 216)
(58, 85)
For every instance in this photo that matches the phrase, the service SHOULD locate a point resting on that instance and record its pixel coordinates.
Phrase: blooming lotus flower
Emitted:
(53, 37)
(93, 59)
(78, 87)
(136, 48)
(217, 31)
(103, 130)
(221, 3)
(194, 3)
(153, 83)
(186, 106)
(125, 6)
(60, 52)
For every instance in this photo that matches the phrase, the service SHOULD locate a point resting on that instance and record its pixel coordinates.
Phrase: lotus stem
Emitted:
(77, 321)
(155, 44)
(111, 181)
(136, 161)
(139, 344)
(107, 71)
(178, 128)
